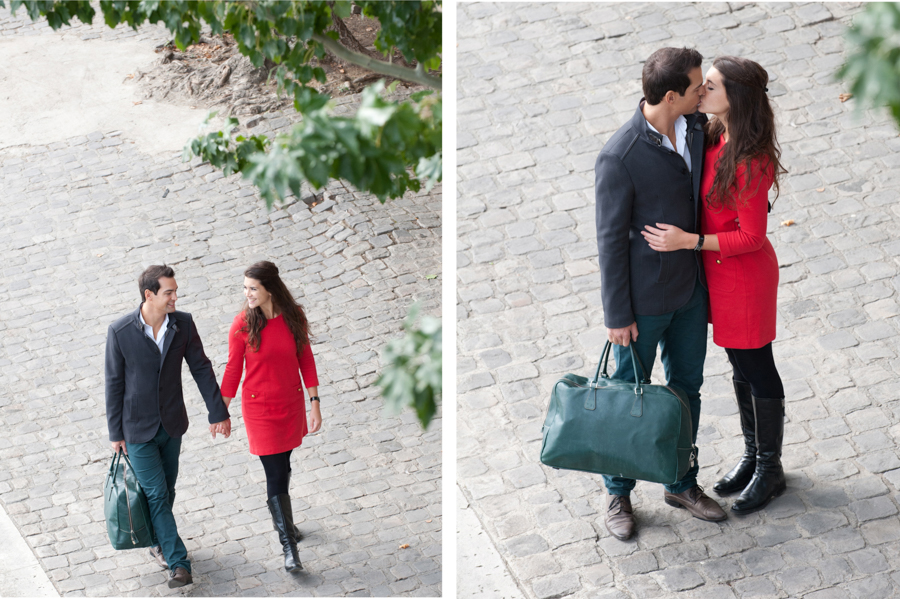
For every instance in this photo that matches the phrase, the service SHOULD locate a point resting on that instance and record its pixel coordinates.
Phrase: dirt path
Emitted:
(75, 87)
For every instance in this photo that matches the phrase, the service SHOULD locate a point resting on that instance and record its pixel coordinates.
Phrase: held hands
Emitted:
(315, 417)
(668, 238)
(623, 336)
(223, 428)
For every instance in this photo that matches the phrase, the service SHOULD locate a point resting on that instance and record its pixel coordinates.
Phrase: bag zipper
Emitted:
(128, 502)
(678, 397)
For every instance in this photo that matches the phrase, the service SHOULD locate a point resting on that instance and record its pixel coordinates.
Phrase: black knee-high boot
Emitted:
(295, 531)
(768, 478)
(739, 476)
(283, 519)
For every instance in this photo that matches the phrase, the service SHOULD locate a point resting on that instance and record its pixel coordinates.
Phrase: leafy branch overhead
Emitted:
(387, 148)
(371, 150)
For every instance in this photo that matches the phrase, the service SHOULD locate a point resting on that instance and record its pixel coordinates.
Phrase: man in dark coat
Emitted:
(145, 409)
(649, 173)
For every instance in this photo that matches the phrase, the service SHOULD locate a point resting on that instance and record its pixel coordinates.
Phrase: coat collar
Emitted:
(639, 124)
(136, 320)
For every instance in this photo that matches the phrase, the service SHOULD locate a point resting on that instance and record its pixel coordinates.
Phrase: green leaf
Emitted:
(430, 276)
(412, 27)
(247, 36)
(413, 363)
(343, 8)
(418, 96)
(274, 49)
(872, 66)
(430, 169)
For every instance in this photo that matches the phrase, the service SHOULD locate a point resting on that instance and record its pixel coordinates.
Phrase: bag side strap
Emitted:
(637, 408)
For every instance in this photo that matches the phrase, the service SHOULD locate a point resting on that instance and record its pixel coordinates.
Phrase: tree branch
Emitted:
(382, 68)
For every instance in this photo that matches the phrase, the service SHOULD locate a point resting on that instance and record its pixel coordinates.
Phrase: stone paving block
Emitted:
(872, 586)
(873, 509)
(639, 563)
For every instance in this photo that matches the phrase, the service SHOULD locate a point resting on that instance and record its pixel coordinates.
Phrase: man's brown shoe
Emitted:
(620, 517)
(179, 578)
(157, 554)
(697, 503)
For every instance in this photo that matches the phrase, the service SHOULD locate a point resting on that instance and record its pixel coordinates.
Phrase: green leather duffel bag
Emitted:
(619, 428)
(126, 508)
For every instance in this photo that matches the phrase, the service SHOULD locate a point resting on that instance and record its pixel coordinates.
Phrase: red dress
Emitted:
(742, 276)
(272, 398)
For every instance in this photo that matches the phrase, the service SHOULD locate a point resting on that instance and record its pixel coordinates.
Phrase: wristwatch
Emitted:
(314, 398)
(699, 244)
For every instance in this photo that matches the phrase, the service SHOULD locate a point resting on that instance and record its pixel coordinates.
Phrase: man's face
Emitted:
(163, 300)
(688, 103)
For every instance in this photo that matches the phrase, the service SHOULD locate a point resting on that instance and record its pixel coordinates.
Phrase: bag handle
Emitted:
(114, 465)
(127, 460)
(635, 362)
(114, 469)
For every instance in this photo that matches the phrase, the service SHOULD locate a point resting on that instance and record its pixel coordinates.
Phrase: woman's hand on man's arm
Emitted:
(669, 238)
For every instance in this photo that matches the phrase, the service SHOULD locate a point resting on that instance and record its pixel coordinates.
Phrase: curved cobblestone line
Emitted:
(541, 88)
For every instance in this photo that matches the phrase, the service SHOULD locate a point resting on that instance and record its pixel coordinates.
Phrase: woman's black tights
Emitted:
(757, 367)
(278, 468)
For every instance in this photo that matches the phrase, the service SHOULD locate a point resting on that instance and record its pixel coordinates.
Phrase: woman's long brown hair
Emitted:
(282, 300)
(751, 133)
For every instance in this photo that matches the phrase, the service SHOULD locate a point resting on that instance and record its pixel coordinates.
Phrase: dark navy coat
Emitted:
(638, 182)
(143, 385)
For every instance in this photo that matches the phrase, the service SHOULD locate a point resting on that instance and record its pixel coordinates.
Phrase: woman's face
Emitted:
(715, 101)
(256, 294)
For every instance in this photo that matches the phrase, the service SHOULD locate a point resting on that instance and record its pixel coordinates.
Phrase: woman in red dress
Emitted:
(741, 163)
(271, 335)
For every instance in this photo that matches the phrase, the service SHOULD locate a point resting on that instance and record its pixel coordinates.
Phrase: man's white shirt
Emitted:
(162, 331)
(680, 139)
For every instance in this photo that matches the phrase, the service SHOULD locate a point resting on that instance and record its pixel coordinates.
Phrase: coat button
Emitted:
(252, 396)
(718, 262)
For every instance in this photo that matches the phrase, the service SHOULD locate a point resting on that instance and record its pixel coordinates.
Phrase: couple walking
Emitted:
(145, 409)
(682, 203)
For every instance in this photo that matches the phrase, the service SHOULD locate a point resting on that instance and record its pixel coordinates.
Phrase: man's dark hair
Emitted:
(667, 70)
(149, 279)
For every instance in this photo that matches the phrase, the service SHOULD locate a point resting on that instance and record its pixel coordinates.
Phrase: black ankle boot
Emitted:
(283, 519)
(768, 478)
(739, 476)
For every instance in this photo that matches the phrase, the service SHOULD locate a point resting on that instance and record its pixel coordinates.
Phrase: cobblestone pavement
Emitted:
(541, 89)
(80, 219)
